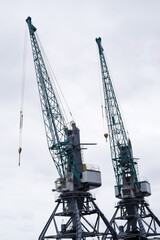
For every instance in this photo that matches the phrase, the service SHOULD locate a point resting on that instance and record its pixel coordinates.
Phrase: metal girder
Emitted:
(133, 219)
(81, 219)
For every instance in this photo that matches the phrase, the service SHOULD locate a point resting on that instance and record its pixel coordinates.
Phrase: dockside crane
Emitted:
(76, 215)
(133, 218)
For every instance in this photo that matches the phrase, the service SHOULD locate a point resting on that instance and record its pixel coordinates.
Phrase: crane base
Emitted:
(76, 216)
(134, 220)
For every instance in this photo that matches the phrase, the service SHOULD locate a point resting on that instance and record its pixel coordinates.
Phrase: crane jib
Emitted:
(59, 144)
(121, 150)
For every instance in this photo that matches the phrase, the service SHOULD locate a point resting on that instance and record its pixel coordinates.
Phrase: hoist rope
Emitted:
(22, 94)
(52, 74)
(117, 97)
(104, 119)
(101, 95)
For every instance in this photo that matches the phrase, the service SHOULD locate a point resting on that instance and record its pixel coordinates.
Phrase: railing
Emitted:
(91, 167)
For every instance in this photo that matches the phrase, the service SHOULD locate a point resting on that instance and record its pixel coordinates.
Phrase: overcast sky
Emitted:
(130, 32)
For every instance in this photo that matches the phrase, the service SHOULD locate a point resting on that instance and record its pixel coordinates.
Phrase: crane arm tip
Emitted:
(31, 27)
(28, 20)
(98, 40)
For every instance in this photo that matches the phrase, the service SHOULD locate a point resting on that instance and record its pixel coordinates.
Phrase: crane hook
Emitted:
(19, 150)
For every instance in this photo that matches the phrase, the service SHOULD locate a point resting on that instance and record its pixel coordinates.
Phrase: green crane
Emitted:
(133, 218)
(75, 204)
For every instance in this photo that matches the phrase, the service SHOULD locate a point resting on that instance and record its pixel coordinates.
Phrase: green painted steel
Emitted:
(59, 144)
(120, 145)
